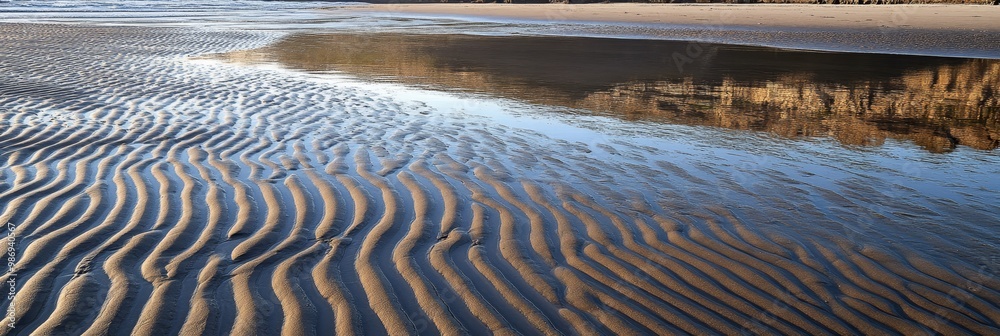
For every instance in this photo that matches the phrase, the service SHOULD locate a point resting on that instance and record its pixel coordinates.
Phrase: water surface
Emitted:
(859, 99)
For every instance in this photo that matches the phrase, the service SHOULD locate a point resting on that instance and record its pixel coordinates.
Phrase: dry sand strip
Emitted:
(154, 195)
(943, 30)
(939, 17)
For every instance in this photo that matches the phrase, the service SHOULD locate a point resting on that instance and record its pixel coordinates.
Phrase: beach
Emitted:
(937, 30)
(450, 175)
(768, 16)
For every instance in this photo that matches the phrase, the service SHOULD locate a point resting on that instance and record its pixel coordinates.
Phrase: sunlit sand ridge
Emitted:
(154, 194)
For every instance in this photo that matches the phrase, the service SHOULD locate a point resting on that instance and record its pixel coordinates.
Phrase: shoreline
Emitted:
(801, 16)
(966, 31)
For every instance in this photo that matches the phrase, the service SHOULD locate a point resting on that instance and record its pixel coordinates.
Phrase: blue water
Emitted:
(146, 5)
(240, 14)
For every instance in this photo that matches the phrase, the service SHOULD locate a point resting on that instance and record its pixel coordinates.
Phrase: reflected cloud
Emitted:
(858, 99)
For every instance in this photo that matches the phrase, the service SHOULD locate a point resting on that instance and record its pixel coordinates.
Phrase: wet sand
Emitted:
(154, 192)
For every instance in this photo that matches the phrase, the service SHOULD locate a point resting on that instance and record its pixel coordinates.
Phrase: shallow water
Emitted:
(858, 99)
(241, 178)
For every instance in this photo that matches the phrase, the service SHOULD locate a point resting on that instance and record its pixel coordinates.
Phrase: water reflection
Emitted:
(858, 99)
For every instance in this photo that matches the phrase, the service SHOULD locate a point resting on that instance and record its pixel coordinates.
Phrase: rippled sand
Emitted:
(155, 194)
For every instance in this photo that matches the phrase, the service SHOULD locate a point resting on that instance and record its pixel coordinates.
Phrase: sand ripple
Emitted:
(154, 194)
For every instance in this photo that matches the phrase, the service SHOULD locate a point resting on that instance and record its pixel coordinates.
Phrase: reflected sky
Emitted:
(857, 99)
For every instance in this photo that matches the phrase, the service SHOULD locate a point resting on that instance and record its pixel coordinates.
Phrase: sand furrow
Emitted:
(164, 301)
(510, 249)
(29, 189)
(774, 283)
(810, 280)
(663, 309)
(217, 210)
(646, 260)
(461, 287)
(901, 304)
(301, 315)
(255, 307)
(203, 315)
(328, 282)
(731, 287)
(121, 279)
(381, 297)
(294, 294)
(41, 281)
(70, 316)
(268, 232)
(449, 208)
(328, 226)
(931, 313)
(121, 268)
(403, 257)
